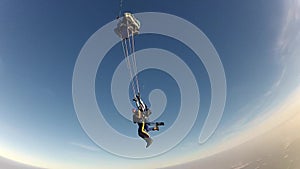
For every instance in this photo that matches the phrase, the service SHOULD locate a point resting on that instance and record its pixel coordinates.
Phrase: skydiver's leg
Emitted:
(142, 132)
(156, 125)
(155, 128)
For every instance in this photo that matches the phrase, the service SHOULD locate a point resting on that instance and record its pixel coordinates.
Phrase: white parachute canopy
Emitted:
(126, 29)
(128, 26)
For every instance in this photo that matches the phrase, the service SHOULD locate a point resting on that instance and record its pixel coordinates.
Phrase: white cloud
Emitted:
(283, 112)
(241, 165)
(250, 110)
(86, 147)
(277, 84)
(290, 31)
(288, 44)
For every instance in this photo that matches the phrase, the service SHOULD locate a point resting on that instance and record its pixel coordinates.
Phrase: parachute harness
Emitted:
(127, 27)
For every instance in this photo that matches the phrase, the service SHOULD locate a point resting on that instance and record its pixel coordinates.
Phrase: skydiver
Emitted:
(141, 118)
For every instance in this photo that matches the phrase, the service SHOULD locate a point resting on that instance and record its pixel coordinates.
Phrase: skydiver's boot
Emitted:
(160, 123)
(157, 124)
(156, 128)
(149, 141)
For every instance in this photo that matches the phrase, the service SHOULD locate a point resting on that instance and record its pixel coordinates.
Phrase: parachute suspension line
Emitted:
(126, 54)
(133, 59)
(120, 9)
(128, 26)
(130, 67)
(124, 51)
(135, 67)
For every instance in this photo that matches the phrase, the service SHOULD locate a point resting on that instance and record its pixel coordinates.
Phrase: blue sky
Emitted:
(40, 42)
